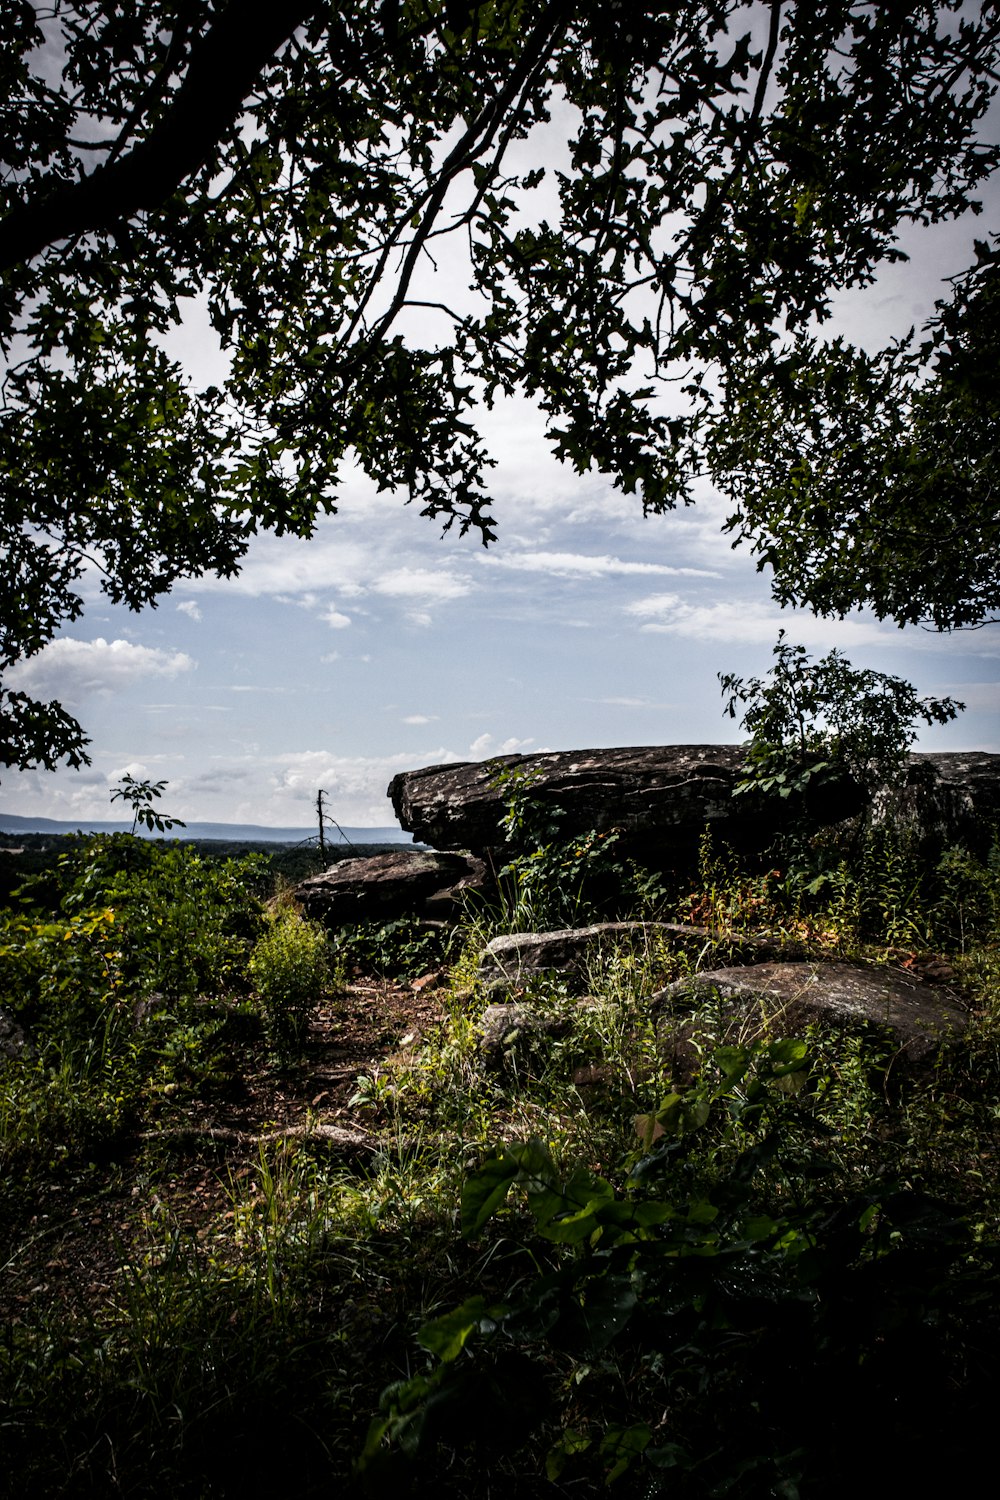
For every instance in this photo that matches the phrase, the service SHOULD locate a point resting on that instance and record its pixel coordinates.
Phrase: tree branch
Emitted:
(224, 66)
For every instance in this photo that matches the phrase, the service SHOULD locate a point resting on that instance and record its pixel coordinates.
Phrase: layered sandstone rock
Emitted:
(403, 882)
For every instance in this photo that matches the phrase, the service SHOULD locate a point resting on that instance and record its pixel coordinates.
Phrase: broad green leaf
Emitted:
(485, 1189)
(624, 1445)
(446, 1336)
(732, 1062)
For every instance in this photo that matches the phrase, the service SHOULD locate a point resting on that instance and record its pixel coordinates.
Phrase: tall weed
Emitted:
(290, 968)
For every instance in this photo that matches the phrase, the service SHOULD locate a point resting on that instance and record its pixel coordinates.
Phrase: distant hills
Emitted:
(230, 832)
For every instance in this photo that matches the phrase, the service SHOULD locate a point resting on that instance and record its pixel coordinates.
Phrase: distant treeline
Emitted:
(26, 854)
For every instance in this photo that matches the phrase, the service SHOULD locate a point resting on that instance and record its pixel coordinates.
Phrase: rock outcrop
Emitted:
(513, 1034)
(662, 798)
(404, 882)
(510, 962)
(947, 799)
(781, 999)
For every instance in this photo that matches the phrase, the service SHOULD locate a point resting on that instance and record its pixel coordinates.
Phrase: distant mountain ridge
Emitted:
(231, 832)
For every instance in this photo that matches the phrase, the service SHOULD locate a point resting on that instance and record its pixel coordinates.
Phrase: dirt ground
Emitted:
(66, 1243)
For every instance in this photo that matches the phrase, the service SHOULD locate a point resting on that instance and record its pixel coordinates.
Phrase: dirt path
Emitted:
(67, 1243)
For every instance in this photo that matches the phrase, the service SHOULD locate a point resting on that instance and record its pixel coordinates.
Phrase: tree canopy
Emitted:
(656, 285)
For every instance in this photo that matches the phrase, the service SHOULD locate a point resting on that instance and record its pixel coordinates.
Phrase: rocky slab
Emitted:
(785, 997)
(405, 882)
(512, 961)
(663, 797)
(659, 797)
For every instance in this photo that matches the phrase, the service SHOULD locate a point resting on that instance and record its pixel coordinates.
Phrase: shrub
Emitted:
(290, 967)
(182, 925)
(809, 719)
(401, 949)
(555, 878)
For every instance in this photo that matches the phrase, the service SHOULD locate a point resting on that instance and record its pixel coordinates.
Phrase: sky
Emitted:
(380, 645)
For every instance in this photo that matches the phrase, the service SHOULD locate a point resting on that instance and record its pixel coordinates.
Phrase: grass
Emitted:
(761, 1263)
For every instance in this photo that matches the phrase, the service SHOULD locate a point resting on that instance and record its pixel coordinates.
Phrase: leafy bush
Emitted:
(402, 948)
(59, 975)
(117, 922)
(708, 1331)
(183, 925)
(75, 1094)
(290, 968)
(816, 722)
(553, 879)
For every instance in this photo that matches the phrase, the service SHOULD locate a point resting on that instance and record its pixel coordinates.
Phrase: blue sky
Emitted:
(380, 645)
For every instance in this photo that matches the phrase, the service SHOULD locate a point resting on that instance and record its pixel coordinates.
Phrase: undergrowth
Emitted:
(587, 1258)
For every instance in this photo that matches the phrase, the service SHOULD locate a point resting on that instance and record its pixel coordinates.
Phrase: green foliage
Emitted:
(77, 1093)
(852, 890)
(290, 170)
(105, 966)
(182, 924)
(701, 1252)
(665, 1316)
(809, 719)
(402, 948)
(291, 971)
(140, 796)
(554, 879)
(59, 973)
(867, 478)
(967, 905)
(200, 1371)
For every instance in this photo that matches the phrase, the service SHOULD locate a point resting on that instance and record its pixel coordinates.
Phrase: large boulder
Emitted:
(781, 999)
(510, 962)
(946, 799)
(663, 797)
(405, 882)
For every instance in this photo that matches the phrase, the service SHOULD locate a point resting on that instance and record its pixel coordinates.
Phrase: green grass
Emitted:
(774, 1272)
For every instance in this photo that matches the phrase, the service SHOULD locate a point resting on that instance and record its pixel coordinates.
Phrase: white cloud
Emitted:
(191, 609)
(749, 622)
(70, 667)
(288, 568)
(420, 718)
(428, 584)
(355, 784)
(335, 619)
(330, 656)
(137, 769)
(484, 746)
(584, 565)
(629, 702)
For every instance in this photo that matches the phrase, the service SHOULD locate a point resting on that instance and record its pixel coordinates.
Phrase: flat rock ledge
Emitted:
(661, 799)
(405, 882)
(784, 998)
(511, 962)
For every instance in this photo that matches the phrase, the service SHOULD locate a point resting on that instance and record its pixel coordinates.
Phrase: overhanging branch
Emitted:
(225, 64)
